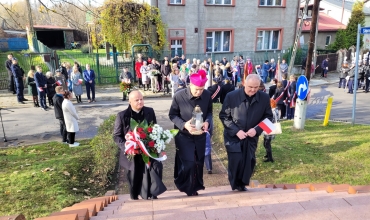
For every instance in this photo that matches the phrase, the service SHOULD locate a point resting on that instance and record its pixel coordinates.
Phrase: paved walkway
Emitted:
(258, 203)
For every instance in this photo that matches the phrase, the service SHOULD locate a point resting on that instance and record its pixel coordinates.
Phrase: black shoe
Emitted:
(44, 109)
(241, 188)
(21, 102)
(154, 197)
(24, 99)
(193, 194)
(209, 172)
(269, 160)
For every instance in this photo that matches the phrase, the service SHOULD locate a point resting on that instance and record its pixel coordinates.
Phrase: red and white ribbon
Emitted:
(133, 142)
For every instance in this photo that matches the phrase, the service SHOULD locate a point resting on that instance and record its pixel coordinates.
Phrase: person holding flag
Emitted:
(60, 80)
(245, 114)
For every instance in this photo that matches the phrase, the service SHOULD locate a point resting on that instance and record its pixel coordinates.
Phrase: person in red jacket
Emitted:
(138, 64)
(248, 69)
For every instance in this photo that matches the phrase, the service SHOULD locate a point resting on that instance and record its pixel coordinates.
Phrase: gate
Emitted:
(333, 59)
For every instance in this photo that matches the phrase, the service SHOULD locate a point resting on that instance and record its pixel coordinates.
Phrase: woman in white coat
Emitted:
(70, 118)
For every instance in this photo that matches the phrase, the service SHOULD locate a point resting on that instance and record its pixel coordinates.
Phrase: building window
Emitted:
(328, 39)
(271, 2)
(268, 39)
(218, 2)
(176, 2)
(218, 41)
(176, 48)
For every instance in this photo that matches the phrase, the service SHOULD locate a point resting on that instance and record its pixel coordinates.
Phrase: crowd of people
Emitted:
(58, 89)
(42, 86)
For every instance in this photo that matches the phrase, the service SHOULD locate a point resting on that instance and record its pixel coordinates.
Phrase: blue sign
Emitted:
(365, 30)
(302, 87)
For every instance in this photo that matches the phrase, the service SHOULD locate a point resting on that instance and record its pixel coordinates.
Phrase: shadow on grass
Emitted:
(337, 153)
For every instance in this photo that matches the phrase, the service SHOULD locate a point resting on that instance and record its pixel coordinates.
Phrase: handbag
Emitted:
(277, 129)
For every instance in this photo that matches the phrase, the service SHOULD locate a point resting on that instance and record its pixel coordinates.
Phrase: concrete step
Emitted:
(261, 201)
(258, 203)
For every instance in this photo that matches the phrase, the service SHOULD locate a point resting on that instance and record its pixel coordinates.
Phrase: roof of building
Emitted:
(326, 23)
(51, 27)
(347, 5)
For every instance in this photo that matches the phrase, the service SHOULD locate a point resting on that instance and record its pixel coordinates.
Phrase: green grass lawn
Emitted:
(338, 153)
(38, 180)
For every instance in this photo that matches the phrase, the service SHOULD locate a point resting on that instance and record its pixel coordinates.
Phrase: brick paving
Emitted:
(220, 203)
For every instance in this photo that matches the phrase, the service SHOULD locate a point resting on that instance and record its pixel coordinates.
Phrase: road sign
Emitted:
(302, 87)
(365, 30)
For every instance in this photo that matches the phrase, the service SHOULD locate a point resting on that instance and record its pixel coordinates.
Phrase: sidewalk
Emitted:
(103, 93)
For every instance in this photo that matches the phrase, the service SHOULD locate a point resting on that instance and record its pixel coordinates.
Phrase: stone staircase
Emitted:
(271, 201)
(275, 201)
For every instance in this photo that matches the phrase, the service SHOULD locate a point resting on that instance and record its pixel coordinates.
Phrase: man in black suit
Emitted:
(241, 113)
(18, 75)
(8, 66)
(146, 182)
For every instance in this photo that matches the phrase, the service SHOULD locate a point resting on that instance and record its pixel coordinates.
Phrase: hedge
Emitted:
(105, 151)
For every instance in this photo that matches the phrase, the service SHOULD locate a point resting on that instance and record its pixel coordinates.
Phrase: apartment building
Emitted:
(227, 26)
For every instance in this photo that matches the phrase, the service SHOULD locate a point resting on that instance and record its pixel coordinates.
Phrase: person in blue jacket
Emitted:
(41, 85)
(325, 67)
(18, 75)
(89, 77)
(265, 71)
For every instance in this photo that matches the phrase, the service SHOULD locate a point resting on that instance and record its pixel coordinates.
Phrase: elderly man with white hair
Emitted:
(242, 111)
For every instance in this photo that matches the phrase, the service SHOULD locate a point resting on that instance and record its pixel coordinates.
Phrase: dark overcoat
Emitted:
(122, 126)
(236, 115)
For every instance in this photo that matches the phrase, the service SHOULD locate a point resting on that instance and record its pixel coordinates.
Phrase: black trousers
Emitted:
(135, 177)
(19, 88)
(267, 145)
(90, 86)
(63, 130)
(241, 165)
(11, 83)
(71, 137)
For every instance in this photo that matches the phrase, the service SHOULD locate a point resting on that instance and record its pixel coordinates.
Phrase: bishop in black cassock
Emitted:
(190, 149)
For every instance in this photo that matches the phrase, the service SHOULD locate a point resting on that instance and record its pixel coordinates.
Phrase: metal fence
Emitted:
(109, 66)
(27, 61)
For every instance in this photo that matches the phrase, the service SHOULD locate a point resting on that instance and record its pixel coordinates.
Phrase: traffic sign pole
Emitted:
(301, 104)
(359, 31)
